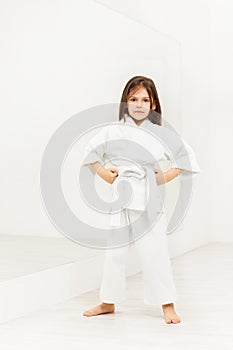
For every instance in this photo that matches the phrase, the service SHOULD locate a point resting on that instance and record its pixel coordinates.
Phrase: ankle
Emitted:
(168, 305)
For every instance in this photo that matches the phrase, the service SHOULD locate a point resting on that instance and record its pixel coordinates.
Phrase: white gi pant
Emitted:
(159, 287)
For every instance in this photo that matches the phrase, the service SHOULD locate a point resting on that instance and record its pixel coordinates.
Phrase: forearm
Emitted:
(107, 174)
(171, 174)
(96, 166)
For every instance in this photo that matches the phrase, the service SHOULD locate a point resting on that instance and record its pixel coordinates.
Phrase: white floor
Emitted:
(204, 284)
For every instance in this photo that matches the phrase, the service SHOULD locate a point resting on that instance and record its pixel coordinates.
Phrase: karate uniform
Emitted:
(135, 152)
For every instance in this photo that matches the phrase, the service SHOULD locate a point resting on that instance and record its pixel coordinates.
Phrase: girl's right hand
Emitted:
(108, 175)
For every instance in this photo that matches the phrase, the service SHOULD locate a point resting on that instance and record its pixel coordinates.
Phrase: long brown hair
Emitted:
(155, 116)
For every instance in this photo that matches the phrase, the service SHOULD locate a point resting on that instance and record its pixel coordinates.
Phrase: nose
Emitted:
(139, 104)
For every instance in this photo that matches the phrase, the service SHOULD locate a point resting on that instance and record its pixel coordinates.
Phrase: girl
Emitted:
(139, 108)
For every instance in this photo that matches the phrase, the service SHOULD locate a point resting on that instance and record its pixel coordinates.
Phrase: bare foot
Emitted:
(100, 309)
(169, 313)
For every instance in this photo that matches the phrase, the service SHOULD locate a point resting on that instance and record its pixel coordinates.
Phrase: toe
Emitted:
(87, 313)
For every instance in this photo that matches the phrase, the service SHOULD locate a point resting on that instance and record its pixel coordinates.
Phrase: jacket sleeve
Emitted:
(95, 148)
(183, 157)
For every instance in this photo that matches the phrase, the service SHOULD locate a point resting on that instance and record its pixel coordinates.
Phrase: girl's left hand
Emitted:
(159, 177)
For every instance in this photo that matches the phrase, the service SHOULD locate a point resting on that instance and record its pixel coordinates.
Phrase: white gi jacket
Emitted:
(135, 152)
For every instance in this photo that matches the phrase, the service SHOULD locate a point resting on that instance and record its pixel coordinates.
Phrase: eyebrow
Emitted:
(142, 97)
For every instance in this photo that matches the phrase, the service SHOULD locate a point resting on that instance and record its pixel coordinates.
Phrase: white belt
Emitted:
(137, 178)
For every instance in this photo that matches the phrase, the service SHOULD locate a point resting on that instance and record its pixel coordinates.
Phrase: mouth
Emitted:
(138, 112)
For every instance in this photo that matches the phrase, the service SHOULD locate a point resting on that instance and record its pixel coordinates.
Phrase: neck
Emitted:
(138, 122)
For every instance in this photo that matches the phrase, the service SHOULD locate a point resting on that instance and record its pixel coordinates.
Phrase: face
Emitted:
(139, 104)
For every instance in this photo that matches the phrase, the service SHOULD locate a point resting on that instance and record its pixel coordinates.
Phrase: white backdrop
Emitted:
(58, 59)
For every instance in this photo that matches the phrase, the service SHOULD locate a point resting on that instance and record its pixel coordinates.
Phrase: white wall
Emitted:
(189, 23)
(204, 29)
(221, 119)
(41, 67)
(57, 60)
